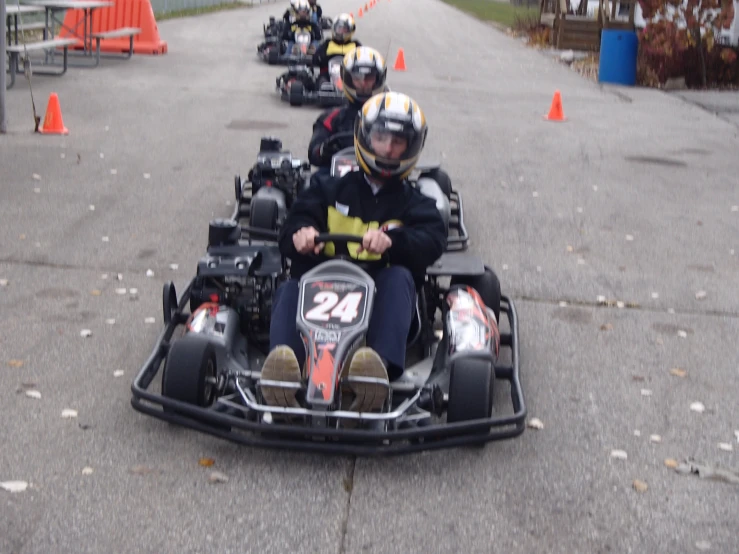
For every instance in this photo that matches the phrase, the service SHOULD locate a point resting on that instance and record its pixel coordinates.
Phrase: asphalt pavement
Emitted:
(616, 232)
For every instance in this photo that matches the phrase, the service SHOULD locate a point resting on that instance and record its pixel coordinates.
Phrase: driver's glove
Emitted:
(328, 149)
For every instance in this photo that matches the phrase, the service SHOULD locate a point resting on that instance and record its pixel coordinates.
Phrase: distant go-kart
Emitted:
(300, 85)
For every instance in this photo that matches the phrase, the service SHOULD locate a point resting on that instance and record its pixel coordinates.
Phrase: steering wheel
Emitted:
(338, 140)
(344, 238)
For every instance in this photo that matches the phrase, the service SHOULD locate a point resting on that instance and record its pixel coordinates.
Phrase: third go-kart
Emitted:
(300, 85)
(301, 52)
(215, 338)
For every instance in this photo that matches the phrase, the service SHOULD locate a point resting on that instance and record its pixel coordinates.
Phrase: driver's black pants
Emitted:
(389, 324)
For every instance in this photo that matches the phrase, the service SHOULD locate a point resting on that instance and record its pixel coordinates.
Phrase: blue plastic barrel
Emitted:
(618, 53)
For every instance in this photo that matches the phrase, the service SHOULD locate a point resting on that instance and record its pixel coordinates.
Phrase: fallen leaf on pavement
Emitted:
(640, 486)
(703, 545)
(646, 392)
(68, 413)
(698, 407)
(217, 477)
(3, 282)
(85, 333)
(620, 454)
(95, 292)
(700, 295)
(15, 363)
(14, 486)
(671, 463)
(726, 446)
(118, 373)
(87, 471)
(655, 438)
(33, 394)
(206, 462)
(535, 423)
(606, 327)
(678, 372)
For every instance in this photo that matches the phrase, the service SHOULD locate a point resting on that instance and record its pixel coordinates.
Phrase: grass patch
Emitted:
(495, 11)
(189, 12)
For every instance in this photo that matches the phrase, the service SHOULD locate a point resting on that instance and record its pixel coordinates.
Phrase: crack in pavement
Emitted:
(523, 297)
(627, 306)
(349, 487)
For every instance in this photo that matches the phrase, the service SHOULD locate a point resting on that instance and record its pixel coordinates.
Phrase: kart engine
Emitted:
(229, 275)
(276, 174)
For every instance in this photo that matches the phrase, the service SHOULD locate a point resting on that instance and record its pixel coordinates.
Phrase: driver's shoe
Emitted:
(368, 396)
(281, 365)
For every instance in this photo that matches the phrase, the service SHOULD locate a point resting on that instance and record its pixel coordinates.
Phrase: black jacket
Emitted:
(348, 206)
(330, 122)
(328, 50)
(288, 31)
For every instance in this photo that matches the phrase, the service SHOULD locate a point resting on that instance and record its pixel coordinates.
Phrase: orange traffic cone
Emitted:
(366, 7)
(556, 113)
(360, 12)
(53, 123)
(400, 61)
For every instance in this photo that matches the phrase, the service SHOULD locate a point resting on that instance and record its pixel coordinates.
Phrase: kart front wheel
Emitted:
(169, 302)
(190, 372)
(297, 92)
(470, 390)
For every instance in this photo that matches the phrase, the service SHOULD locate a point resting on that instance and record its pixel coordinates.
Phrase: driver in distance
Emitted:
(302, 22)
(395, 220)
(342, 41)
(363, 72)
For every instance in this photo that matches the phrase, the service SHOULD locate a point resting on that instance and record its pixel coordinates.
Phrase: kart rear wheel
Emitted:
(471, 383)
(488, 287)
(169, 302)
(263, 214)
(190, 372)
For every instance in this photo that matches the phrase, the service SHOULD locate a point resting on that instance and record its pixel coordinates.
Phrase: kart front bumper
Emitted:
(249, 430)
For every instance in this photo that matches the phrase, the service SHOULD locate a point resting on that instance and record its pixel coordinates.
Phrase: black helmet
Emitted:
(396, 118)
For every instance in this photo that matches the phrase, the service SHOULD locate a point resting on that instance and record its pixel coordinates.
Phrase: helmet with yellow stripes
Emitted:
(389, 135)
(343, 29)
(363, 72)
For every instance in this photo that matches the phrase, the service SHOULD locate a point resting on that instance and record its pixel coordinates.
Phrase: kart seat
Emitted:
(429, 187)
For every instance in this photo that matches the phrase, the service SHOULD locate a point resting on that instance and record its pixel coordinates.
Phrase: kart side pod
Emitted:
(471, 325)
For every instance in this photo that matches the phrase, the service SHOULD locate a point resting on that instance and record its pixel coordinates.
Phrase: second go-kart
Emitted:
(300, 85)
(265, 196)
(215, 339)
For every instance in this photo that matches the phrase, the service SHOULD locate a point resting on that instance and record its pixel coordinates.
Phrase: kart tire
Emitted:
(471, 383)
(488, 287)
(297, 93)
(442, 179)
(238, 189)
(263, 214)
(189, 366)
(273, 56)
(169, 302)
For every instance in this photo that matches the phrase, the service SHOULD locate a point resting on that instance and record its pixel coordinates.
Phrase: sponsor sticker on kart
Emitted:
(333, 305)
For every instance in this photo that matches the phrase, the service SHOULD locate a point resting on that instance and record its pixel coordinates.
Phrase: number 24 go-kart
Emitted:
(211, 367)
(275, 181)
(300, 85)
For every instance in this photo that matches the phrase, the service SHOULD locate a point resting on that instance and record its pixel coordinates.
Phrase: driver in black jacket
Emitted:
(394, 218)
(363, 72)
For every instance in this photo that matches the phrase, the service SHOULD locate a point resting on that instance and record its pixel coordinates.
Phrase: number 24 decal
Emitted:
(346, 310)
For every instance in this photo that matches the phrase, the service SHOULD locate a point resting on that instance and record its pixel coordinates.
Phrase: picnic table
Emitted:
(12, 13)
(53, 7)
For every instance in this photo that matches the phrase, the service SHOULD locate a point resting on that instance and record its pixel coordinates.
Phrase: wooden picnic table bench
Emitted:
(15, 50)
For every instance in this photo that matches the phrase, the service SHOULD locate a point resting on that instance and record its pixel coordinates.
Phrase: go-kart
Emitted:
(274, 52)
(265, 196)
(266, 211)
(272, 34)
(215, 338)
(300, 85)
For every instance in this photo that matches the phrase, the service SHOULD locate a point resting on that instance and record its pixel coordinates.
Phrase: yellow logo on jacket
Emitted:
(339, 223)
